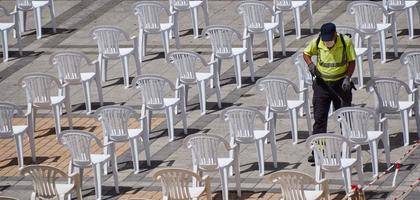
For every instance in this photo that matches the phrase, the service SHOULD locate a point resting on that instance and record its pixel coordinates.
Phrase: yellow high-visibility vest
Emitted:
(332, 63)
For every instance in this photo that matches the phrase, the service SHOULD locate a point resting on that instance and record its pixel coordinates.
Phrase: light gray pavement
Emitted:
(76, 18)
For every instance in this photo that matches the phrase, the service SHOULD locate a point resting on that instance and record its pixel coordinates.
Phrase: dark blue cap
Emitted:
(327, 31)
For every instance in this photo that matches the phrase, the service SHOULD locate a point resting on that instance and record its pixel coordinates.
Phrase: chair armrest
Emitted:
(277, 12)
(414, 90)
(245, 37)
(232, 147)
(302, 90)
(94, 62)
(390, 13)
(212, 62)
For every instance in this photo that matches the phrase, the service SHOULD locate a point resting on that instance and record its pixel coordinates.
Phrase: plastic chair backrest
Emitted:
(367, 15)
(44, 180)
(148, 15)
(395, 4)
(37, 88)
(354, 122)
(7, 111)
(108, 39)
(152, 89)
(204, 149)
(356, 35)
(175, 182)
(24, 4)
(241, 121)
(68, 64)
(329, 149)
(303, 72)
(115, 121)
(283, 4)
(387, 93)
(292, 183)
(412, 61)
(185, 63)
(275, 89)
(180, 4)
(79, 143)
(254, 14)
(221, 38)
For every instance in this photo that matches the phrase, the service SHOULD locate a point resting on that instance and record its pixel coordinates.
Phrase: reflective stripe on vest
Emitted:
(344, 55)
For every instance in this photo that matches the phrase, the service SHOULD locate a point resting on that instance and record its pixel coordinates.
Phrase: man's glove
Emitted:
(346, 84)
(312, 69)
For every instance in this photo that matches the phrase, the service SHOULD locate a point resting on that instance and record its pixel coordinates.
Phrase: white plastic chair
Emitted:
(176, 184)
(69, 65)
(192, 6)
(23, 6)
(402, 5)
(332, 154)
(8, 130)
(387, 101)
(354, 123)
(222, 38)
(78, 142)
(294, 185)
(206, 158)
(357, 38)
(5, 27)
(368, 16)
(186, 63)
(411, 59)
(148, 14)
(46, 186)
(108, 39)
(275, 89)
(38, 96)
(152, 89)
(255, 18)
(114, 120)
(241, 122)
(295, 6)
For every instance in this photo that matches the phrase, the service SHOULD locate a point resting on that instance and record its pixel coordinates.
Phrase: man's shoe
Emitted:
(311, 159)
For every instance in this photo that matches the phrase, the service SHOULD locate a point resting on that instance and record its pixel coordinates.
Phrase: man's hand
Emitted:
(312, 69)
(346, 84)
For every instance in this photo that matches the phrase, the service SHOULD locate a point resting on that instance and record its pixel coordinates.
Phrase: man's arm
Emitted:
(307, 58)
(350, 68)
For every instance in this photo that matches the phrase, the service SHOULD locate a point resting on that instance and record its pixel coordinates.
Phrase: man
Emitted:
(335, 66)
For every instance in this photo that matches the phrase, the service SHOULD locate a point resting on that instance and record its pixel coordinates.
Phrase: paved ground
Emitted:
(76, 18)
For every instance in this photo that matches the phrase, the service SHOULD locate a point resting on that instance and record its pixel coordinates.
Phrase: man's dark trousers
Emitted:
(324, 93)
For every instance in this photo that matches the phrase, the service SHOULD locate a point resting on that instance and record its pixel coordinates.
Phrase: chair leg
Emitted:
(99, 88)
(115, 172)
(370, 57)
(184, 118)
(126, 75)
(359, 66)
(237, 66)
(269, 38)
(52, 14)
(250, 58)
(359, 157)
(374, 157)
(224, 181)
(194, 15)
(56, 111)
(410, 23)
(218, 95)
(170, 122)
(293, 124)
(383, 46)
(308, 116)
(86, 89)
(404, 120)
(394, 36)
(296, 13)
(237, 177)
(68, 108)
(165, 39)
(385, 141)
(202, 96)
(282, 37)
(311, 21)
(104, 69)
(346, 172)
(31, 143)
(38, 24)
(98, 183)
(19, 150)
(206, 14)
(134, 155)
(5, 47)
(272, 139)
(146, 145)
(260, 151)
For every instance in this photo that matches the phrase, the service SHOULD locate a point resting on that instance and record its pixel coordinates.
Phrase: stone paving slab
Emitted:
(75, 19)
